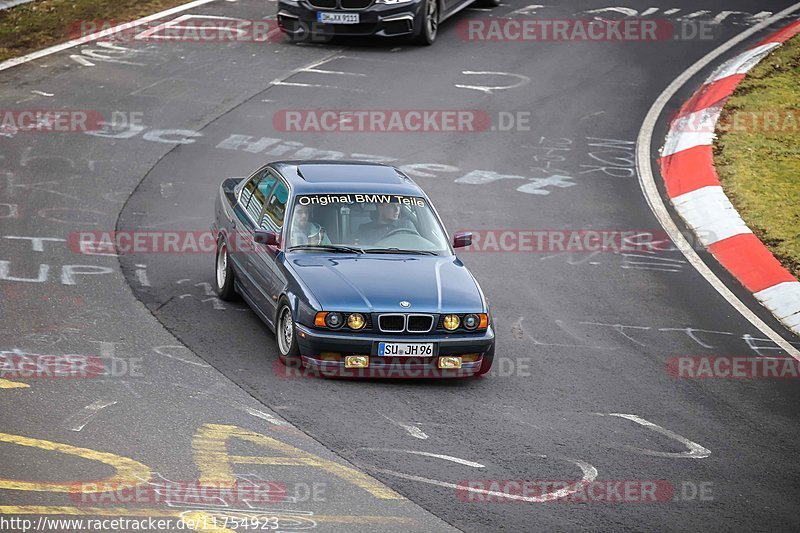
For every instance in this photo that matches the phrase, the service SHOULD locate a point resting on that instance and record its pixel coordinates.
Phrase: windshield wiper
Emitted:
(338, 248)
(398, 251)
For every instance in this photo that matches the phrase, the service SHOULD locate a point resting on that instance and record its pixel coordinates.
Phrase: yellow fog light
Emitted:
(450, 322)
(356, 361)
(330, 356)
(356, 321)
(450, 361)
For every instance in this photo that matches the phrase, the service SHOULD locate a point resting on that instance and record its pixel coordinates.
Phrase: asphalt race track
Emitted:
(580, 387)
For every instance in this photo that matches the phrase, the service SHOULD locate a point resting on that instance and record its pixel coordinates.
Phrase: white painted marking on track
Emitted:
(79, 420)
(162, 350)
(589, 475)
(42, 93)
(488, 89)
(265, 416)
(444, 457)
(653, 197)
(336, 72)
(527, 10)
(414, 431)
(695, 450)
(318, 85)
(141, 275)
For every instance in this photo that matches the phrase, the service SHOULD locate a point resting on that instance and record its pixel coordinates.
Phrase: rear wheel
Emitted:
(224, 272)
(285, 335)
(430, 23)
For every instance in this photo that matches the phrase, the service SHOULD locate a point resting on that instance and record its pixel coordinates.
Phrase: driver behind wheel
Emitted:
(387, 220)
(304, 231)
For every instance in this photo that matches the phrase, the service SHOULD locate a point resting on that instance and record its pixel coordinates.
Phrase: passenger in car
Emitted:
(304, 231)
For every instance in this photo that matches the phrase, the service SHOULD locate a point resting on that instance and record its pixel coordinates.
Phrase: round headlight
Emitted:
(334, 320)
(471, 321)
(450, 322)
(356, 321)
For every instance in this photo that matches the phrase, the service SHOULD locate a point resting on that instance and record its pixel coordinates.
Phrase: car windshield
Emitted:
(368, 223)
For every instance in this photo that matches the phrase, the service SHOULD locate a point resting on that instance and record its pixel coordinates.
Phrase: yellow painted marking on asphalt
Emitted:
(214, 463)
(8, 384)
(126, 469)
(190, 515)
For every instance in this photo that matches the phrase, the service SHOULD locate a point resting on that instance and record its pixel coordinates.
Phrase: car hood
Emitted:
(378, 283)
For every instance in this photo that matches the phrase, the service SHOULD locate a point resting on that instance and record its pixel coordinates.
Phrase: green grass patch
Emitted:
(42, 23)
(758, 158)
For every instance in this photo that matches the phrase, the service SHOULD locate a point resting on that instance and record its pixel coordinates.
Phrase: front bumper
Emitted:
(313, 343)
(381, 20)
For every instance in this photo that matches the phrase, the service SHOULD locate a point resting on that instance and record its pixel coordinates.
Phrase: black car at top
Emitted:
(416, 19)
(349, 264)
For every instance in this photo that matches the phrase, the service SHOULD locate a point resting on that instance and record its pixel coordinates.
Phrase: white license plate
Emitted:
(337, 18)
(402, 349)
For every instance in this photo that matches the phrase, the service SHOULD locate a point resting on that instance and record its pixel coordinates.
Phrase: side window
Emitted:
(247, 191)
(276, 207)
(268, 179)
(256, 191)
(256, 203)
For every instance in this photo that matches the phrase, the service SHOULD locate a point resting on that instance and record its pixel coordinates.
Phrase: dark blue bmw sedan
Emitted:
(349, 264)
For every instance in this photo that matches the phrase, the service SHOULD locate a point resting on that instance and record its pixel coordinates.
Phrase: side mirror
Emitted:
(267, 238)
(462, 239)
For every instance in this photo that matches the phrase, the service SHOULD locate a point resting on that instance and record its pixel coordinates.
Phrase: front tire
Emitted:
(225, 278)
(286, 336)
(430, 24)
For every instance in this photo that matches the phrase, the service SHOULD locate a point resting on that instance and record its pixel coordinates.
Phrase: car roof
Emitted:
(320, 176)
